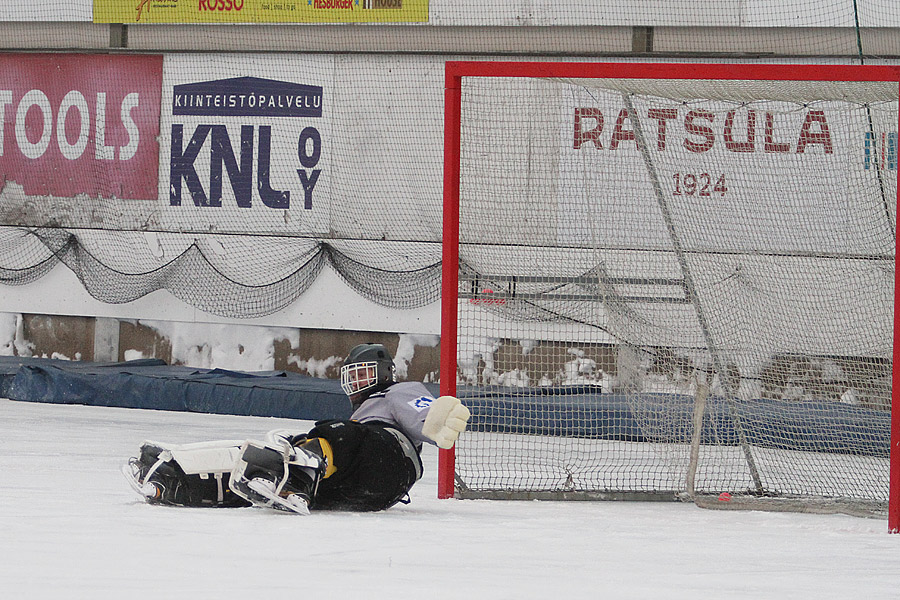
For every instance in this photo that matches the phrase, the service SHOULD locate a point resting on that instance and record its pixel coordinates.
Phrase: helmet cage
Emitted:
(366, 370)
(359, 377)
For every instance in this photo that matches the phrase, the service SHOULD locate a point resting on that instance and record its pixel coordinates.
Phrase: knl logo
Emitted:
(243, 98)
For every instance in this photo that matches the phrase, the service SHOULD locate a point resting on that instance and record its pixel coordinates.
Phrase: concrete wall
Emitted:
(566, 40)
(317, 352)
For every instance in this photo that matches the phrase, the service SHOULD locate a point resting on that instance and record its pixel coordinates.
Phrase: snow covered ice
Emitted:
(73, 528)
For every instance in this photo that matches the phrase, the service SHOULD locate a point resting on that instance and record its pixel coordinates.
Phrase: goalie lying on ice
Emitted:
(368, 462)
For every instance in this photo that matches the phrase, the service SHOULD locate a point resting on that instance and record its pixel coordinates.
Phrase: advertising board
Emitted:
(245, 144)
(76, 125)
(260, 11)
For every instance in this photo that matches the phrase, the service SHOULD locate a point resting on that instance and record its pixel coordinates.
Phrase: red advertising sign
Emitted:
(80, 124)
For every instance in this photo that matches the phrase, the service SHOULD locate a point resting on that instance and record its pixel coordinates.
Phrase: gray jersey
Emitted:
(403, 405)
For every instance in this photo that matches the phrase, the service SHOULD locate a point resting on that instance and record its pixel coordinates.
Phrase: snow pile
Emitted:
(406, 349)
(12, 336)
(316, 367)
(210, 346)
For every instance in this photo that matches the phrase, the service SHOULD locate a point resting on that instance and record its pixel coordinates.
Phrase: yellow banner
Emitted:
(260, 11)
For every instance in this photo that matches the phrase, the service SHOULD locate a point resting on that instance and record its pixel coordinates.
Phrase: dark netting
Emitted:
(205, 271)
(25, 258)
(395, 289)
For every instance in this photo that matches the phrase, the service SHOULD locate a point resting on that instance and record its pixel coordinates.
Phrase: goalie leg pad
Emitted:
(188, 475)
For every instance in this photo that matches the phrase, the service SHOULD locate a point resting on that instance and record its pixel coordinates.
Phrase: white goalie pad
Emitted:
(280, 437)
(294, 456)
(200, 458)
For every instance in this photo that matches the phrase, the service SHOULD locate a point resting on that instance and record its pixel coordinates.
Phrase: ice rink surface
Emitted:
(73, 528)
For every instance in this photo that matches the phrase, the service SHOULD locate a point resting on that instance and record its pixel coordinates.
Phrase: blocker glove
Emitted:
(446, 419)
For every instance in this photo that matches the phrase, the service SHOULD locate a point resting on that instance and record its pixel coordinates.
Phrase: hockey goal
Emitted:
(672, 281)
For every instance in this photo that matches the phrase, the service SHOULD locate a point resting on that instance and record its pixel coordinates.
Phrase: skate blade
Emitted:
(146, 491)
(276, 501)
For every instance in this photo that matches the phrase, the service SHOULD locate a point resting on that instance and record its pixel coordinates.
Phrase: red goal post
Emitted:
(457, 72)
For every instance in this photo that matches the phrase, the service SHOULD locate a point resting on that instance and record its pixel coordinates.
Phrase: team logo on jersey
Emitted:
(421, 403)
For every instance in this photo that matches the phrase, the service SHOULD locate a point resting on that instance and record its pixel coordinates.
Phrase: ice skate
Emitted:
(134, 474)
(276, 477)
(264, 490)
(144, 473)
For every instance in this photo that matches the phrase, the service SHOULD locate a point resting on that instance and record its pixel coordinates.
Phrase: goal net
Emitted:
(671, 282)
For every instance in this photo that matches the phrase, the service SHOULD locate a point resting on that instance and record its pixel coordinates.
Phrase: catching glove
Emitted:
(446, 419)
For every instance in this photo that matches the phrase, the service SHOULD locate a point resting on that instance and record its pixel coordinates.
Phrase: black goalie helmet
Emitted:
(368, 368)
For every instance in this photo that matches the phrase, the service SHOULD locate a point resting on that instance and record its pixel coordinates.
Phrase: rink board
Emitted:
(152, 384)
(667, 418)
(570, 411)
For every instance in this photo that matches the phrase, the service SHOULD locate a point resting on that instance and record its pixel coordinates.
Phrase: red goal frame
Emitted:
(456, 70)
